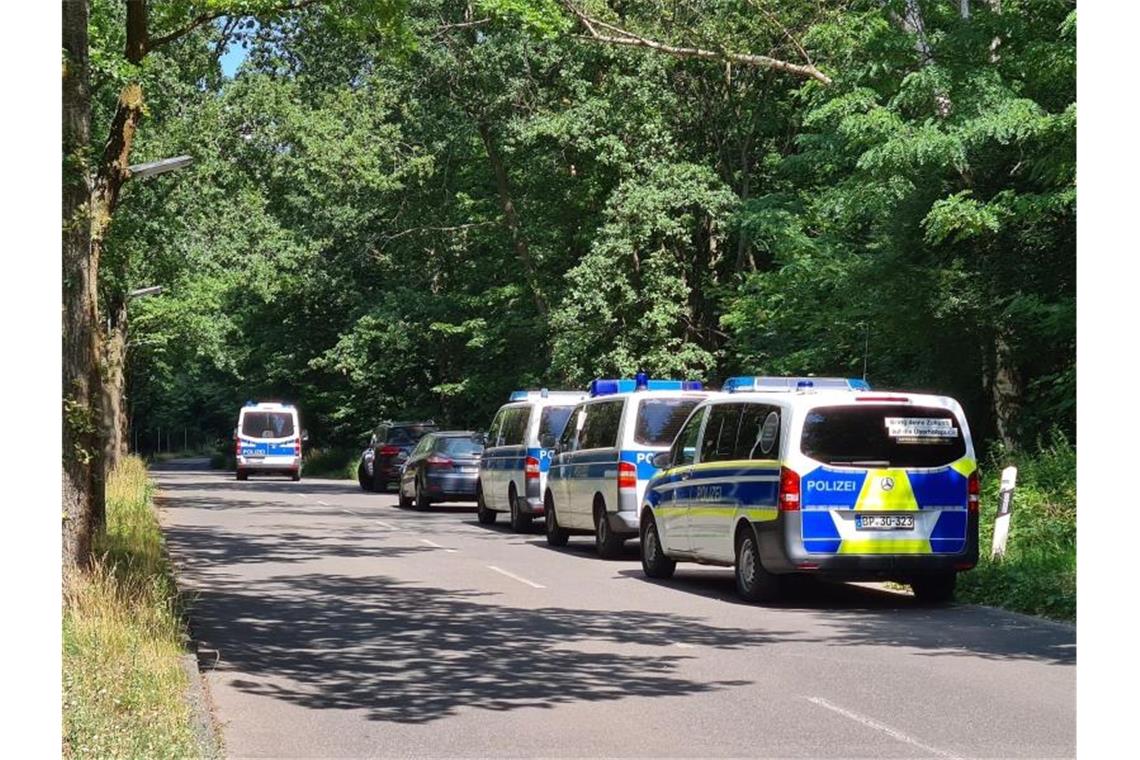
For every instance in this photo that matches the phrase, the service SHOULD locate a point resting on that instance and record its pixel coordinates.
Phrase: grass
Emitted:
(123, 685)
(1039, 572)
(331, 463)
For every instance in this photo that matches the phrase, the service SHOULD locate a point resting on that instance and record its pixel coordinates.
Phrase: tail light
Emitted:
(389, 451)
(436, 462)
(532, 470)
(297, 446)
(237, 447)
(789, 497)
(972, 493)
(627, 475)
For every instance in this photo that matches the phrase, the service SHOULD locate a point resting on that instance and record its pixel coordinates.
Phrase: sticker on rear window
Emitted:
(920, 427)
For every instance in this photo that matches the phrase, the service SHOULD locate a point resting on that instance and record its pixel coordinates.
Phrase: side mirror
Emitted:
(304, 435)
(663, 459)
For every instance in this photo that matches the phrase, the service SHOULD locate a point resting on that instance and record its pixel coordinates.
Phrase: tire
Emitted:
(555, 535)
(486, 516)
(242, 475)
(296, 476)
(654, 561)
(422, 500)
(364, 479)
(753, 582)
(935, 589)
(609, 543)
(405, 502)
(520, 521)
(377, 486)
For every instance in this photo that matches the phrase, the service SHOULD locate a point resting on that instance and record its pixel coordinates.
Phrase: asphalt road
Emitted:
(333, 624)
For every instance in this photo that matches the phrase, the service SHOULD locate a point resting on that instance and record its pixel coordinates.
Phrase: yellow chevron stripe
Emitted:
(965, 466)
(885, 546)
(900, 498)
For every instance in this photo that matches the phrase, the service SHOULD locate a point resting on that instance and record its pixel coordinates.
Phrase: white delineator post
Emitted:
(1005, 507)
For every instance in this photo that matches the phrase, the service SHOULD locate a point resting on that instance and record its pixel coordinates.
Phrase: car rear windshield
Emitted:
(267, 424)
(459, 447)
(882, 435)
(408, 434)
(553, 422)
(658, 420)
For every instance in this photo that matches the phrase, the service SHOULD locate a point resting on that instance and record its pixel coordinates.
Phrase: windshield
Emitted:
(459, 447)
(658, 420)
(882, 435)
(405, 436)
(267, 424)
(553, 422)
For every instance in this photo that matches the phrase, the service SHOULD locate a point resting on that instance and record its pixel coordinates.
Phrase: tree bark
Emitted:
(113, 416)
(81, 456)
(510, 215)
(1006, 389)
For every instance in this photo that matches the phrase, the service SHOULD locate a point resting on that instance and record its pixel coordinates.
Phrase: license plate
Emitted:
(469, 469)
(884, 522)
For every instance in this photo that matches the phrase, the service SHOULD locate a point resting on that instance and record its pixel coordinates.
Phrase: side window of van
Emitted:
(601, 428)
(570, 432)
(719, 442)
(496, 429)
(684, 449)
(759, 436)
(514, 426)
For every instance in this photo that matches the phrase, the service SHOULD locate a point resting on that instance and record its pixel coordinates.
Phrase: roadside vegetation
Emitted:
(1039, 572)
(123, 686)
(338, 462)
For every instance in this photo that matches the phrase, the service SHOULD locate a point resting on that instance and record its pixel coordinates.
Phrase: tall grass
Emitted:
(332, 463)
(1039, 572)
(123, 687)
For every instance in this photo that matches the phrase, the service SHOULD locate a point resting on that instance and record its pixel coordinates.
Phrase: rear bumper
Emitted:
(269, 464)
(624, 523)
(451, 486)
(782, 551)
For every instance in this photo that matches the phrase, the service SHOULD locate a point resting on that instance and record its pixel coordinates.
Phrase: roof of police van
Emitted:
(837, 397)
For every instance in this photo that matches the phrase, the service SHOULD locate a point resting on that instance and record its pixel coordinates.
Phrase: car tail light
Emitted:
(297, 447)
(389, 451)
(789, 497)
(436, 462)
(972, 493)
(627, 475)
(237, 447)
(532, 470)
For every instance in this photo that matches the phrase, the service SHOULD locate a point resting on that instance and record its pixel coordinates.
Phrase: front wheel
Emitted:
(935, 589)
(654, 561)
(753, 582)
(242, 475)
(486, 516)
(555, 535)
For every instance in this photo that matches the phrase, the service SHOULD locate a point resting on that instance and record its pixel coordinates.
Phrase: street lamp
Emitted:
(160, 167)
(144, 292)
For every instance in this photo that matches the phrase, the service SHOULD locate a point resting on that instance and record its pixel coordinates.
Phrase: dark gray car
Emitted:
(444, 466)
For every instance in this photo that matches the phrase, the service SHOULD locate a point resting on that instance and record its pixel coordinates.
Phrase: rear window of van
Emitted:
(659, 419)
(267, 424)
(882, 435)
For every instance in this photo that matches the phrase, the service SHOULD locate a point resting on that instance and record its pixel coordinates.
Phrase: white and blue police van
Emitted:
(267, 440)
(817, 476)
(516, 455)
(604, 458)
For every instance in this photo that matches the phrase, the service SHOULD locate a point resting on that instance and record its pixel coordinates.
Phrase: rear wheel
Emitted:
(520, 520)
(405, 502)
(935, 589)
(296, 476)
(363, 478)
(486, 516)
(378, 485)
(422, 500)
(555, 535)
(654, 561)
(242, 475)
(753, 582)
(608, 543)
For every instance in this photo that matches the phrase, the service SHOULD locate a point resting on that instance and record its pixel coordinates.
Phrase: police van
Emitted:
(820, 476)
(516, 454)
(268, 439)
(604, 458)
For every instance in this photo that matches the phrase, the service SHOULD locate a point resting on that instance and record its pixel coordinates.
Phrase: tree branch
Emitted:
(208, 16)
(622, 36)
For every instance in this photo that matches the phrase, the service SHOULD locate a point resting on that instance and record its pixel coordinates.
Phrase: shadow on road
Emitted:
(859, 616)
(411, 654)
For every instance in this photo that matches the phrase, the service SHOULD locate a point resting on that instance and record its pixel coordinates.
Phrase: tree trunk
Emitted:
(81, 455)
(522, 250)
(1006, 389)
(113, 415)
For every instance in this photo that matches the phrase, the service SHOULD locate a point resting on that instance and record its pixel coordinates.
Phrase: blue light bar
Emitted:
(600, 387)
(741, 384)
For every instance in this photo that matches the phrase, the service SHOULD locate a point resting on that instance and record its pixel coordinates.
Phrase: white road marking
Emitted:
(872, 723)
(532, 584)
(349, 511)
(682, 644)
(323, 504)
(389, 526)
(431, 543)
